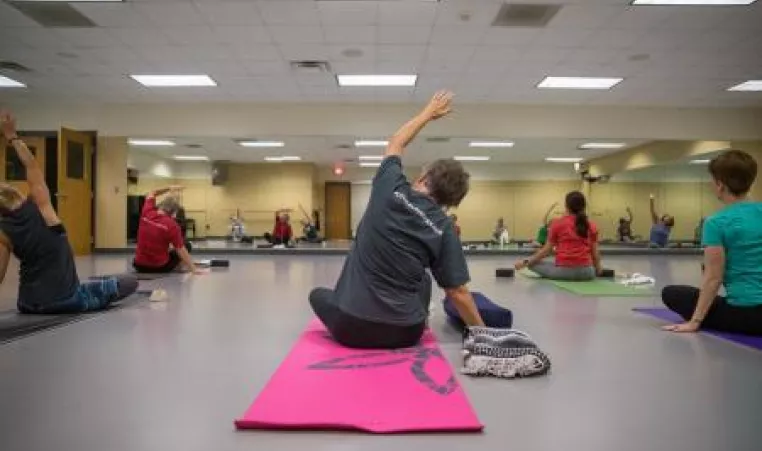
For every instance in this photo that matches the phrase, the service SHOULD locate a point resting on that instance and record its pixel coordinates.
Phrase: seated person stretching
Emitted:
(33, 232)
(661, 227)
(282, 232)
(624, 230)
(381, 299)
(732, 241)
(542, 232)
(158, 231)
(575, 239)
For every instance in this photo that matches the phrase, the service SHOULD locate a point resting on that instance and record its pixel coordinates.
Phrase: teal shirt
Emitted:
(738, 229)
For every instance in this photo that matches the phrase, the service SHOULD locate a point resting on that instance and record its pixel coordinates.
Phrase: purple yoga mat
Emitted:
(672, 317)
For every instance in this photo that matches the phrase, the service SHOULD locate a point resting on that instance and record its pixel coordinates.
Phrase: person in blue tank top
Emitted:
(31, 229)
(661, 226)
(732, 240)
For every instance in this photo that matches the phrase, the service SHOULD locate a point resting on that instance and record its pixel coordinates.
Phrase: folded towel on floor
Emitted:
(504, 353)
(638, 279)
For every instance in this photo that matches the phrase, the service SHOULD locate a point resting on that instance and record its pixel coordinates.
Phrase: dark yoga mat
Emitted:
(672, 317)
(14, 325)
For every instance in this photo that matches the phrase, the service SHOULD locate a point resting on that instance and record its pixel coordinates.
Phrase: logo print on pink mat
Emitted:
(418, 356)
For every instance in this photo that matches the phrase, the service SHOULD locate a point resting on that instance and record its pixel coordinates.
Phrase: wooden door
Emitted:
(12, 171)
(75, 194)
(338, 200)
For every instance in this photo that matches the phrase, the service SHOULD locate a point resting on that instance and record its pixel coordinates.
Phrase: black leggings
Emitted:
(721, 316)
(354, 332)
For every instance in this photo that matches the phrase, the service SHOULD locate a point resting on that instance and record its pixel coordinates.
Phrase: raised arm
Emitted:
(162, 191)
(546, 218)
(438, 106)
(654, 215)
(5, 255)
(629, 214)
(35, 178)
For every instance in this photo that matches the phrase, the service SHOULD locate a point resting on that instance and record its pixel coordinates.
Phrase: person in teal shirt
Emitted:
(732, 240)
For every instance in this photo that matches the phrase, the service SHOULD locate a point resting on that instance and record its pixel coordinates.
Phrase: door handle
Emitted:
(61, 195)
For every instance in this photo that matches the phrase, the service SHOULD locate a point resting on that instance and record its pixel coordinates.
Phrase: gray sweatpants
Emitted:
(549, 270)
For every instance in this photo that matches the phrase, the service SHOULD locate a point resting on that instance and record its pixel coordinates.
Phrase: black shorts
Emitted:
(171, 265)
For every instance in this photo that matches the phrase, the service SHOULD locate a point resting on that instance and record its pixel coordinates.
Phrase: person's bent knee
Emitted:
(670, 296)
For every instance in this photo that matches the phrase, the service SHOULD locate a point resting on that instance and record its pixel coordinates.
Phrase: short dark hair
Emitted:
(447, 181)
(735, 169)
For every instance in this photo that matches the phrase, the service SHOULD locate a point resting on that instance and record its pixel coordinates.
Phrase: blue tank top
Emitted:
(47, 273)
(659, 235)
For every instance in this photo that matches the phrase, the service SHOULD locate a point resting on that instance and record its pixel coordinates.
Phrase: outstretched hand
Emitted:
(8, 124)
(521, 264)
(689, 327)
(440, 105)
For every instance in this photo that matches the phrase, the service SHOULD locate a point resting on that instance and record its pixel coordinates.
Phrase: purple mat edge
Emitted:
(668, 315)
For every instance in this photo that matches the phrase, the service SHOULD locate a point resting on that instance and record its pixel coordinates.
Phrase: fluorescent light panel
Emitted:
(591, 146)
(191, 158)
(171, 81)
(693, 2)
(282, 159)
(377, 80)
(471, 158)
(69, 1)
(371, 157)
(700, 161)
(266, 144)
(6, 82)
(579, 83)
(563, 160)
(371, 143)
(370, 165)
(151, 143)
(492, 144)
(751, 85)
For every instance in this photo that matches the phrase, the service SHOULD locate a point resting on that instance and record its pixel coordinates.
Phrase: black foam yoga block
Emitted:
(607, 273)
(504, 272)
(216, 263)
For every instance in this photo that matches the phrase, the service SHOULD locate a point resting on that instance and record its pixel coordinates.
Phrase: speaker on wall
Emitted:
(219, 172)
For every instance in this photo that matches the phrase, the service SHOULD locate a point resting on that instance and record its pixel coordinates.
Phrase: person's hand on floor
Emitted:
(201, 271)
(521, 264)
(688, 327)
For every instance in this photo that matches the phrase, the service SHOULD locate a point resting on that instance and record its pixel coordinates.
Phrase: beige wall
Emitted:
(111, 192)
(257, 190)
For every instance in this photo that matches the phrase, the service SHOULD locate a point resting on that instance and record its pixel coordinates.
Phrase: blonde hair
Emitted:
(10, 197)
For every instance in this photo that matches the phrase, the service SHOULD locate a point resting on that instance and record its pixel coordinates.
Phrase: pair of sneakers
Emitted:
(505, 353)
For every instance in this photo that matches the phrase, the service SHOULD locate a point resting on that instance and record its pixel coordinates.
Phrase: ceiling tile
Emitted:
(257, 52)
(139, 37)
(457, 34)
(467, 12)
(292, 12)
(348, 13)
(297, 52)
(242, 35)
(84, 38)
(296, 35)
(339, 34)
(230, 13)
(199, 34)
(401, 53)
(167, 14)
(403, 35)
(407, 13)
(123, 15)
(510, 37)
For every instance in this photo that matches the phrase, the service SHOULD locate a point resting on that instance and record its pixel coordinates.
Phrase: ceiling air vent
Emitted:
(311, 67)
(53, 14)
(438, 139)
(522, 15)
(344, 146)
(193, 146)
(11, 65)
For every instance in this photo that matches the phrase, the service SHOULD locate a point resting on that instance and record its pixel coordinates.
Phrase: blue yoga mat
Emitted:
(672, 317)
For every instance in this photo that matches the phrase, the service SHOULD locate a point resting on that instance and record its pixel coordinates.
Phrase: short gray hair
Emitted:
(169, 205)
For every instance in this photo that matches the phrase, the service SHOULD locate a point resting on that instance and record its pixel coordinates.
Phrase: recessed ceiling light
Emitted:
(377, 80)
(169, 81)
(261, 143)
(563, 160)
(578, 83)
(491, 144)
(471, 158)
(70, 1)
(590, 146)
(191, 158)
(6, 82)
(151, 143)
(371, 157)
(371, 143)
(282, 159)
(700, 161)
(370, 165)
(693, 2)
(751, 85)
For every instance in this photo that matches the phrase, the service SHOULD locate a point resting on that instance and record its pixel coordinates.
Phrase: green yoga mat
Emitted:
(597, 287)
(602, 287)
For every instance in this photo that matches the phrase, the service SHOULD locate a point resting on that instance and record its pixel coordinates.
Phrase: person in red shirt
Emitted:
(575, 239)
(156, 232)
(282, 232)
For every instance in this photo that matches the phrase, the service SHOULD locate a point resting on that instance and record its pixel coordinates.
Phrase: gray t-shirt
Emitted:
(402, 233)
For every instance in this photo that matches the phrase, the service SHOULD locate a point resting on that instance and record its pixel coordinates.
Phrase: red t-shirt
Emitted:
(282, 229)
(571, 249)
(155, 233)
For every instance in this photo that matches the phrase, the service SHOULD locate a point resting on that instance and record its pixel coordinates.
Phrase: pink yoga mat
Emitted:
(322, 385)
